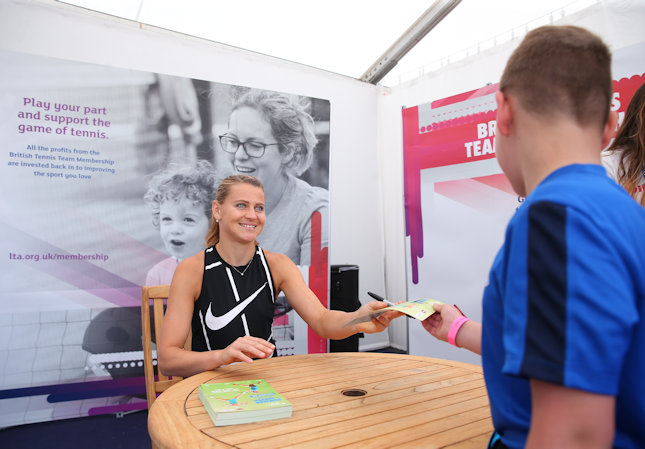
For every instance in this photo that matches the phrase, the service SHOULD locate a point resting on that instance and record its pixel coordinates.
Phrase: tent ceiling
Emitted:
(342, 36)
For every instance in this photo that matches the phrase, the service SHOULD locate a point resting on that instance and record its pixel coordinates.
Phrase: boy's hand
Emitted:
(438, 324)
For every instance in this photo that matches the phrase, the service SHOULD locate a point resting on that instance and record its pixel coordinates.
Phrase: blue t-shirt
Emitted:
(565, 302)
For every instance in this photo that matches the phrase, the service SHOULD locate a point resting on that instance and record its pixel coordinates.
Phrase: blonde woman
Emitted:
(226, 293)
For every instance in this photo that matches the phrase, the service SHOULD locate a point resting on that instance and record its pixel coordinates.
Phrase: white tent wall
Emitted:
(619, 23)
(366, 186)
(47, 28)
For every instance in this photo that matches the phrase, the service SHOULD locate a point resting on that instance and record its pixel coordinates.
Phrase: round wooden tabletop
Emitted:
(408, 401)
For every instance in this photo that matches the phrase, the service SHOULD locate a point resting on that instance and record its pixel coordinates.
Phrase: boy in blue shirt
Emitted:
(563, 332)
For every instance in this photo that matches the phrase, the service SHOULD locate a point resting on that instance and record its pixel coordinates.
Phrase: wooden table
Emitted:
(410, 401)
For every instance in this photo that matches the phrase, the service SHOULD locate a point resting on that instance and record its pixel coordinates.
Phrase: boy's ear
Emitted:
(504, 114)
(609, 131)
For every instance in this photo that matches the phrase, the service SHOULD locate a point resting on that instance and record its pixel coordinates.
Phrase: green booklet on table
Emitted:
(243, 401)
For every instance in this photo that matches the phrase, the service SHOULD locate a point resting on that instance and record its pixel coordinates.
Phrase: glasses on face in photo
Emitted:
(252, 148)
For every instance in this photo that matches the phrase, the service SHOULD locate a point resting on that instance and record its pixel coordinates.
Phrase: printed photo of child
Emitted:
(180, 197)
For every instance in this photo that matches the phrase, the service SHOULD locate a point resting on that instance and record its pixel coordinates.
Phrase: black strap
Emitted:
(495, 442)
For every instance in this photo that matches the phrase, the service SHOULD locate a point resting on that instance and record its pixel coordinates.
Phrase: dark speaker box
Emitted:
(344, 296)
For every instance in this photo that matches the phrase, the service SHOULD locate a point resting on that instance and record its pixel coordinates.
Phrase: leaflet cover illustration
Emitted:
(419, 309)
(243, 401)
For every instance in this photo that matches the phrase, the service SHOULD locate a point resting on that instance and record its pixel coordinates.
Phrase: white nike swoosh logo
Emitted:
(217, 322)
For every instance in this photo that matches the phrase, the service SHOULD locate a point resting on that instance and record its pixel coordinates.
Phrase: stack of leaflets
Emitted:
(243, 402)
(419, 309)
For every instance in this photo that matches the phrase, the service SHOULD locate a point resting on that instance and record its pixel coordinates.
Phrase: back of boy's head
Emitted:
(561, 70)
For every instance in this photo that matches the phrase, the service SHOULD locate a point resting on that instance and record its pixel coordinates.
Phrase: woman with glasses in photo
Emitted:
(271, 136)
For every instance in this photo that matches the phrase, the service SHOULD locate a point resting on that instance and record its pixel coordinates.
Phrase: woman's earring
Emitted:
(217, 220)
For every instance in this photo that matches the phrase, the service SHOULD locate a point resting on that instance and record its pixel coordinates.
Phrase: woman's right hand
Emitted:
(245, 349)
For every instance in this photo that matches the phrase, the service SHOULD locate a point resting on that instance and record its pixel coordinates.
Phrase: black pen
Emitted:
(380, 298)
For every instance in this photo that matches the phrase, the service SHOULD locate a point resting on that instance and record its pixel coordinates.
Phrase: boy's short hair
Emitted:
(561, 70)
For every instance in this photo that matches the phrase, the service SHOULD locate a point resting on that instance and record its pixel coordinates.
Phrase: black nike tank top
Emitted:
(232, 304)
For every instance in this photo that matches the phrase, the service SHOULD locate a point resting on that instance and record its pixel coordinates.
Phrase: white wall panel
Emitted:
(48, 28)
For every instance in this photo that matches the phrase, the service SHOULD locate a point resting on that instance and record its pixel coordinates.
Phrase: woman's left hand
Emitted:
(379, 323)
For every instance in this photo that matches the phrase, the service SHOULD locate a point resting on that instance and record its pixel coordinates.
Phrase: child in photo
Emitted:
(180, 198)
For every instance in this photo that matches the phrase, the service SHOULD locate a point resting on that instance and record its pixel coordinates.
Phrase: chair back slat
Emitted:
(155, 383)
(158, 314)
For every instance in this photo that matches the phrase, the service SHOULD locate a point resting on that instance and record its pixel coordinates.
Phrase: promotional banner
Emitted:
(107, 179)
(458, 201)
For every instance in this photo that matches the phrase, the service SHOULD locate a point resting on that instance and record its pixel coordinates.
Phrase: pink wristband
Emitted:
(454, 329)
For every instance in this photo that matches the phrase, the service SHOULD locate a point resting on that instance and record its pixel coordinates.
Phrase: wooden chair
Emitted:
(156, 293)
